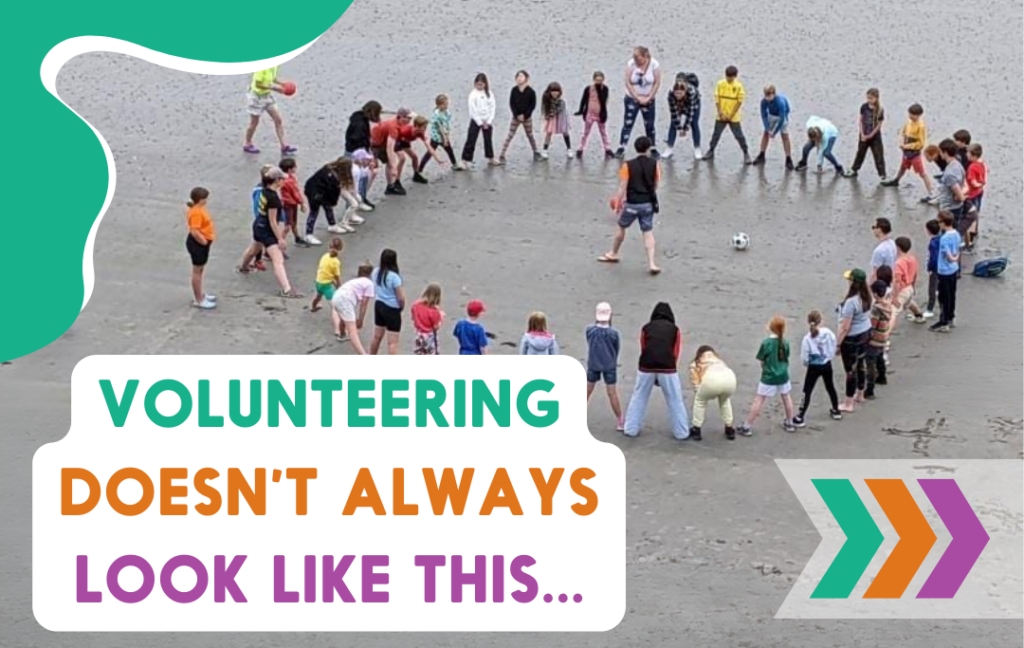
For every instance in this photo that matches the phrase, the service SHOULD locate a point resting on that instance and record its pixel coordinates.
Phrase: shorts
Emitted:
(200, 253)
(263, 236)
(325, 290)
(966, 221)
(770, 391)
(386, 317)
(905, 297)
(288, 215)
(773, 123)
(426, 343)
(643, 212)
(258, 104)
(344, 304)
(913, 160)
(975, 203)
(610, 377)
(381, 152)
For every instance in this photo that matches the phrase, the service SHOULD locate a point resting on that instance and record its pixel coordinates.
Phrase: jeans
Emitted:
(933, 290)
(947, 298)
(632, 108)
(877, 152)
(737, 132)
(673, 393)
(875, 359)
(470, 147)
(852, 351)
(314, 211)
(826, 152)
(362, 186)
(719, 384)
(814, 372)
(694, 129)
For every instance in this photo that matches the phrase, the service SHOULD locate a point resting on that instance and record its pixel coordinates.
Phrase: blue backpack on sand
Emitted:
(990, 267)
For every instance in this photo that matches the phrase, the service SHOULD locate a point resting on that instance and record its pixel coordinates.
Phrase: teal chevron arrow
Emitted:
(862, 538)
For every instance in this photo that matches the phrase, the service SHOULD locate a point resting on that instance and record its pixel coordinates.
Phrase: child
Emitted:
(775, 119)
(537, 340)
(556, 118)
(729, 96)
(328, 278)
(441, 133)
(522, 101)
(481, 119)
(261, 99)
(256, 194)
(913, 139)
(821, 134)
(426, 319)
(603, 343)
(905, 279)
(292, 200)
(816, 352)
(881, 327)
(977, 178)
(363, 173)
(935, 232)
(948, 268)
(712, 380)
(684, 110)
(594, 110)
(661, 341)
(869, 127)
(350, 303)
(200, 237)
(469, 332)
(323, 189)
(349, 193)
(962, 138)
(774, 358)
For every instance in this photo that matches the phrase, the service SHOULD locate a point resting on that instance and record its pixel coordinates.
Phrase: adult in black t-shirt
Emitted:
(267, 233)
(522, 101)
(637, 200)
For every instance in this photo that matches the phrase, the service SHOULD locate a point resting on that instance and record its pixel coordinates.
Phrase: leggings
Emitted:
(719, 384)
(877, 152)
(588, 123)
(314, 211)
(814, 372)
(852, 351)
(447, 149)
(527, 125)
(470, 147)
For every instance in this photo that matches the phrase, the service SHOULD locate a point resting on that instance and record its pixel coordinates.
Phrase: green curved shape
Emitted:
(58, 152)
(862, 539)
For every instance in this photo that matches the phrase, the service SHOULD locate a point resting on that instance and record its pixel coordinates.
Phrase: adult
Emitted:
(200, 237)
(948, 267)
(387, 147)
(869, 127)
(775, 120)
(684, 108)
(637, 200)
(350, 303)
(643, 78)
(389, 303)
(323, 190)
(360, 125)
(884, 253)
(712, 380)
(267, 232)
(952, 181)
(852, 339)
(261, 100)
(482, 108)
(660, 344)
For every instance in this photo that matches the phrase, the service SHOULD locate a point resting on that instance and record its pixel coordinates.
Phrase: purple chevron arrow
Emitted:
(969, 539)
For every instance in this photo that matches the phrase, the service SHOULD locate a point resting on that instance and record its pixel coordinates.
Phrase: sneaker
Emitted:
(889, 183)
(259, 265)
(939, 327)
(697, 155)
(391, 191)
(655, 154)
(620, 152)
(288, 149)
(302, 242)
(339, 229)
(500, 162)
(356, 219)
(836, 415)
(251, 148)
(569, 155)
(710, 155)
(850, 173)
(929, 200)
(666, 155)
(620, 425)
(543, 155)
(730, 432)
(746, 159)
(341, 337)
(869, 396)
(799, 421)
(609, 154)
(467, 165)
(695, 433)
(801, 167)
(788, 426)
(400, 186)
(579, 154)
(364, 207)
(206, 304)
(312, 240)
(419, 178)
(212, 298)
(928, 314)
(369, 204)
(538, 156)
(745, 430)
(759, 160)
(918, 319)
(882, 180)
(840, 171)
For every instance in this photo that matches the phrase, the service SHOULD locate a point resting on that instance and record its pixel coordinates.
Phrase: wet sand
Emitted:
(701, 517)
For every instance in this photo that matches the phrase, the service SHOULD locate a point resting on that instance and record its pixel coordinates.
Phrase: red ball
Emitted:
(288, 88)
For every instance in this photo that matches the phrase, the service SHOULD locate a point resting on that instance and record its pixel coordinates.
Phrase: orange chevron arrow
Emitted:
(916, 538)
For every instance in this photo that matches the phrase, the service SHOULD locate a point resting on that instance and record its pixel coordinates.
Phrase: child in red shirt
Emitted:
(426, 319)
(977, 178)
(292, 199)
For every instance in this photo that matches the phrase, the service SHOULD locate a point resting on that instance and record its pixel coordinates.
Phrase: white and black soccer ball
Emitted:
(740, 241)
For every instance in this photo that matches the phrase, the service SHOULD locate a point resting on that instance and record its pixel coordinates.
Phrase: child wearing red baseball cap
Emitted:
(469, 332)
